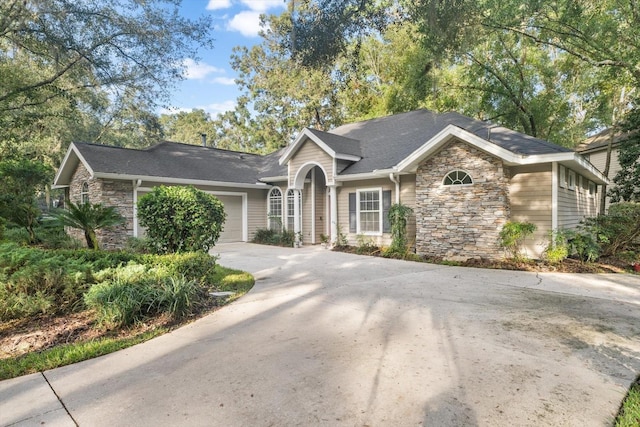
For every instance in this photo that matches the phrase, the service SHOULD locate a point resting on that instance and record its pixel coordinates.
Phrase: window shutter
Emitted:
(353, 225)
(386, 204)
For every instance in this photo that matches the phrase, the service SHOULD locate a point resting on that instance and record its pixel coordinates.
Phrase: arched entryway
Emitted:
(311, 192)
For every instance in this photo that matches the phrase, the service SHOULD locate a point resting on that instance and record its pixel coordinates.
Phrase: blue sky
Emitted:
(209, 83)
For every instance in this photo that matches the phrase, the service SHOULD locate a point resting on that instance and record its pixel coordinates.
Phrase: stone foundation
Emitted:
(459, 222)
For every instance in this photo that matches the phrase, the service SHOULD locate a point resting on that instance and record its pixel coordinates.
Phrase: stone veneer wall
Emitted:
(109, 193)
(461, 222)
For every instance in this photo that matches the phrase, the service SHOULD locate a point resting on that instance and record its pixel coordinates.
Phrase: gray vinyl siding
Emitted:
(343, 207)
(530, 193)
(310, 152)
(575, 204)
(408, 198)
(599, 160)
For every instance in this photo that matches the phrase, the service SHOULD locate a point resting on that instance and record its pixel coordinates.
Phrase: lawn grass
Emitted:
(70, 353)
(629, 414)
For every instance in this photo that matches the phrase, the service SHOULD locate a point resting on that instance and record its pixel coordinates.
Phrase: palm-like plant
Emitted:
(89, 218)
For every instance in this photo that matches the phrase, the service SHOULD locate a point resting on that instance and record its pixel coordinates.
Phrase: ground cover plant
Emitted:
(629, 413)
(62, 306)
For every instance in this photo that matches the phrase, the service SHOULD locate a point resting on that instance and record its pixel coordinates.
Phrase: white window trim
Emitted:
(457, 185)
(563, 177)
(380, 224)
(571, 182)
(282, 206)
(285, 210)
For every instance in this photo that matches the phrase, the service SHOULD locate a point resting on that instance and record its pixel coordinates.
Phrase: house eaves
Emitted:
(568, 158)
(71, 160)
(181, 181)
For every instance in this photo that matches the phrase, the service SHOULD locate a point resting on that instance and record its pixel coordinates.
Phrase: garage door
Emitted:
(233, 226)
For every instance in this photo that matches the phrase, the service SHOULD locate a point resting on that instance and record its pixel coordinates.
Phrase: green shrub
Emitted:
(16, 235)
(513, 235)
(196, 266)
(36, 280)
(181, 219)
(585, 246)
(558, 248)
(618, 230)
(268, 236)
(365, 245)
(3, 225)
(398, 216)
(140, 245)
(341, 240)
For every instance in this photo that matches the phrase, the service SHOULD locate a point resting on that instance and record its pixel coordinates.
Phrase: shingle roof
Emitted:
(386, 141)
(381, 143)
(182, 161)
(338, 143)
(600, 141)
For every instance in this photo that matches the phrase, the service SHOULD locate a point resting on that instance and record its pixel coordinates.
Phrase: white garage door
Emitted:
(233, 226)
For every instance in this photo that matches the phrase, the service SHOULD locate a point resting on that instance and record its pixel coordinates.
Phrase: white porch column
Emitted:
(296, 215)
(333, 201)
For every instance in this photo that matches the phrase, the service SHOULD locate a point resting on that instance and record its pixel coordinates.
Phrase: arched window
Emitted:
(291, 209)
(457, 177)
(275, 209)
(84, 193)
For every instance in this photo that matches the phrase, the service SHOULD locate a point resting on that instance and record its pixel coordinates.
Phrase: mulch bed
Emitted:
(569, 265)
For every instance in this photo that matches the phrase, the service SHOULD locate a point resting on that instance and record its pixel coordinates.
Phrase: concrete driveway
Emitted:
(343, 340)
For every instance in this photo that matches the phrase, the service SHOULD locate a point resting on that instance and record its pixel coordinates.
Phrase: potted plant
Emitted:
(324, 241)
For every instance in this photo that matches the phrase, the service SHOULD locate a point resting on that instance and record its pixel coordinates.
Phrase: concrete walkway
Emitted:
(343, 340)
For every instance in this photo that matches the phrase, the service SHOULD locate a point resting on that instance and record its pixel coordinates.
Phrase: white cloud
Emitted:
(263, 5)
(198, 70)
(213, 109)
(247, 23)
(217, 108)
(218, 4)
(227, 81)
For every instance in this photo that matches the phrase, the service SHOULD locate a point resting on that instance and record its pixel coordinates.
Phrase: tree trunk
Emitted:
(92, 239)
(607, 164)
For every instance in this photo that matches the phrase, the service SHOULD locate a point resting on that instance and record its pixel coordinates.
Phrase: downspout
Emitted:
(554, 197)
(396, 181)
(136, 184)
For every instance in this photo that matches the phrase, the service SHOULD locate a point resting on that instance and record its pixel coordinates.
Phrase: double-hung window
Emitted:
(369, 211)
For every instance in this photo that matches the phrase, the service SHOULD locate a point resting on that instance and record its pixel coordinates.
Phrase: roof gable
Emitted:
(336, 146)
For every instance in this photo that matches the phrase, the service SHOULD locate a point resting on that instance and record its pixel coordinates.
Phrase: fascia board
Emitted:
(181, 181)
(378, 173)
(274, 178)
(446, 134)
(63, 166)
(349, 157)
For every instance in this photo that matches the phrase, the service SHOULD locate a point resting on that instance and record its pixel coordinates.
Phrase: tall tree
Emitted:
(65, 58)
(285, 94)
(627, 180)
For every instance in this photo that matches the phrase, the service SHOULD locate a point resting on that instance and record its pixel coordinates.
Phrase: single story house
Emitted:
(463, 178)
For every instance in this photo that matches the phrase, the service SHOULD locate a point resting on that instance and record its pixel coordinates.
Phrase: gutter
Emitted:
(396, 180)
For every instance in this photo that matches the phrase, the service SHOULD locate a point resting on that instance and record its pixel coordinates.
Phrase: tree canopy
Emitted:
(92, 70)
